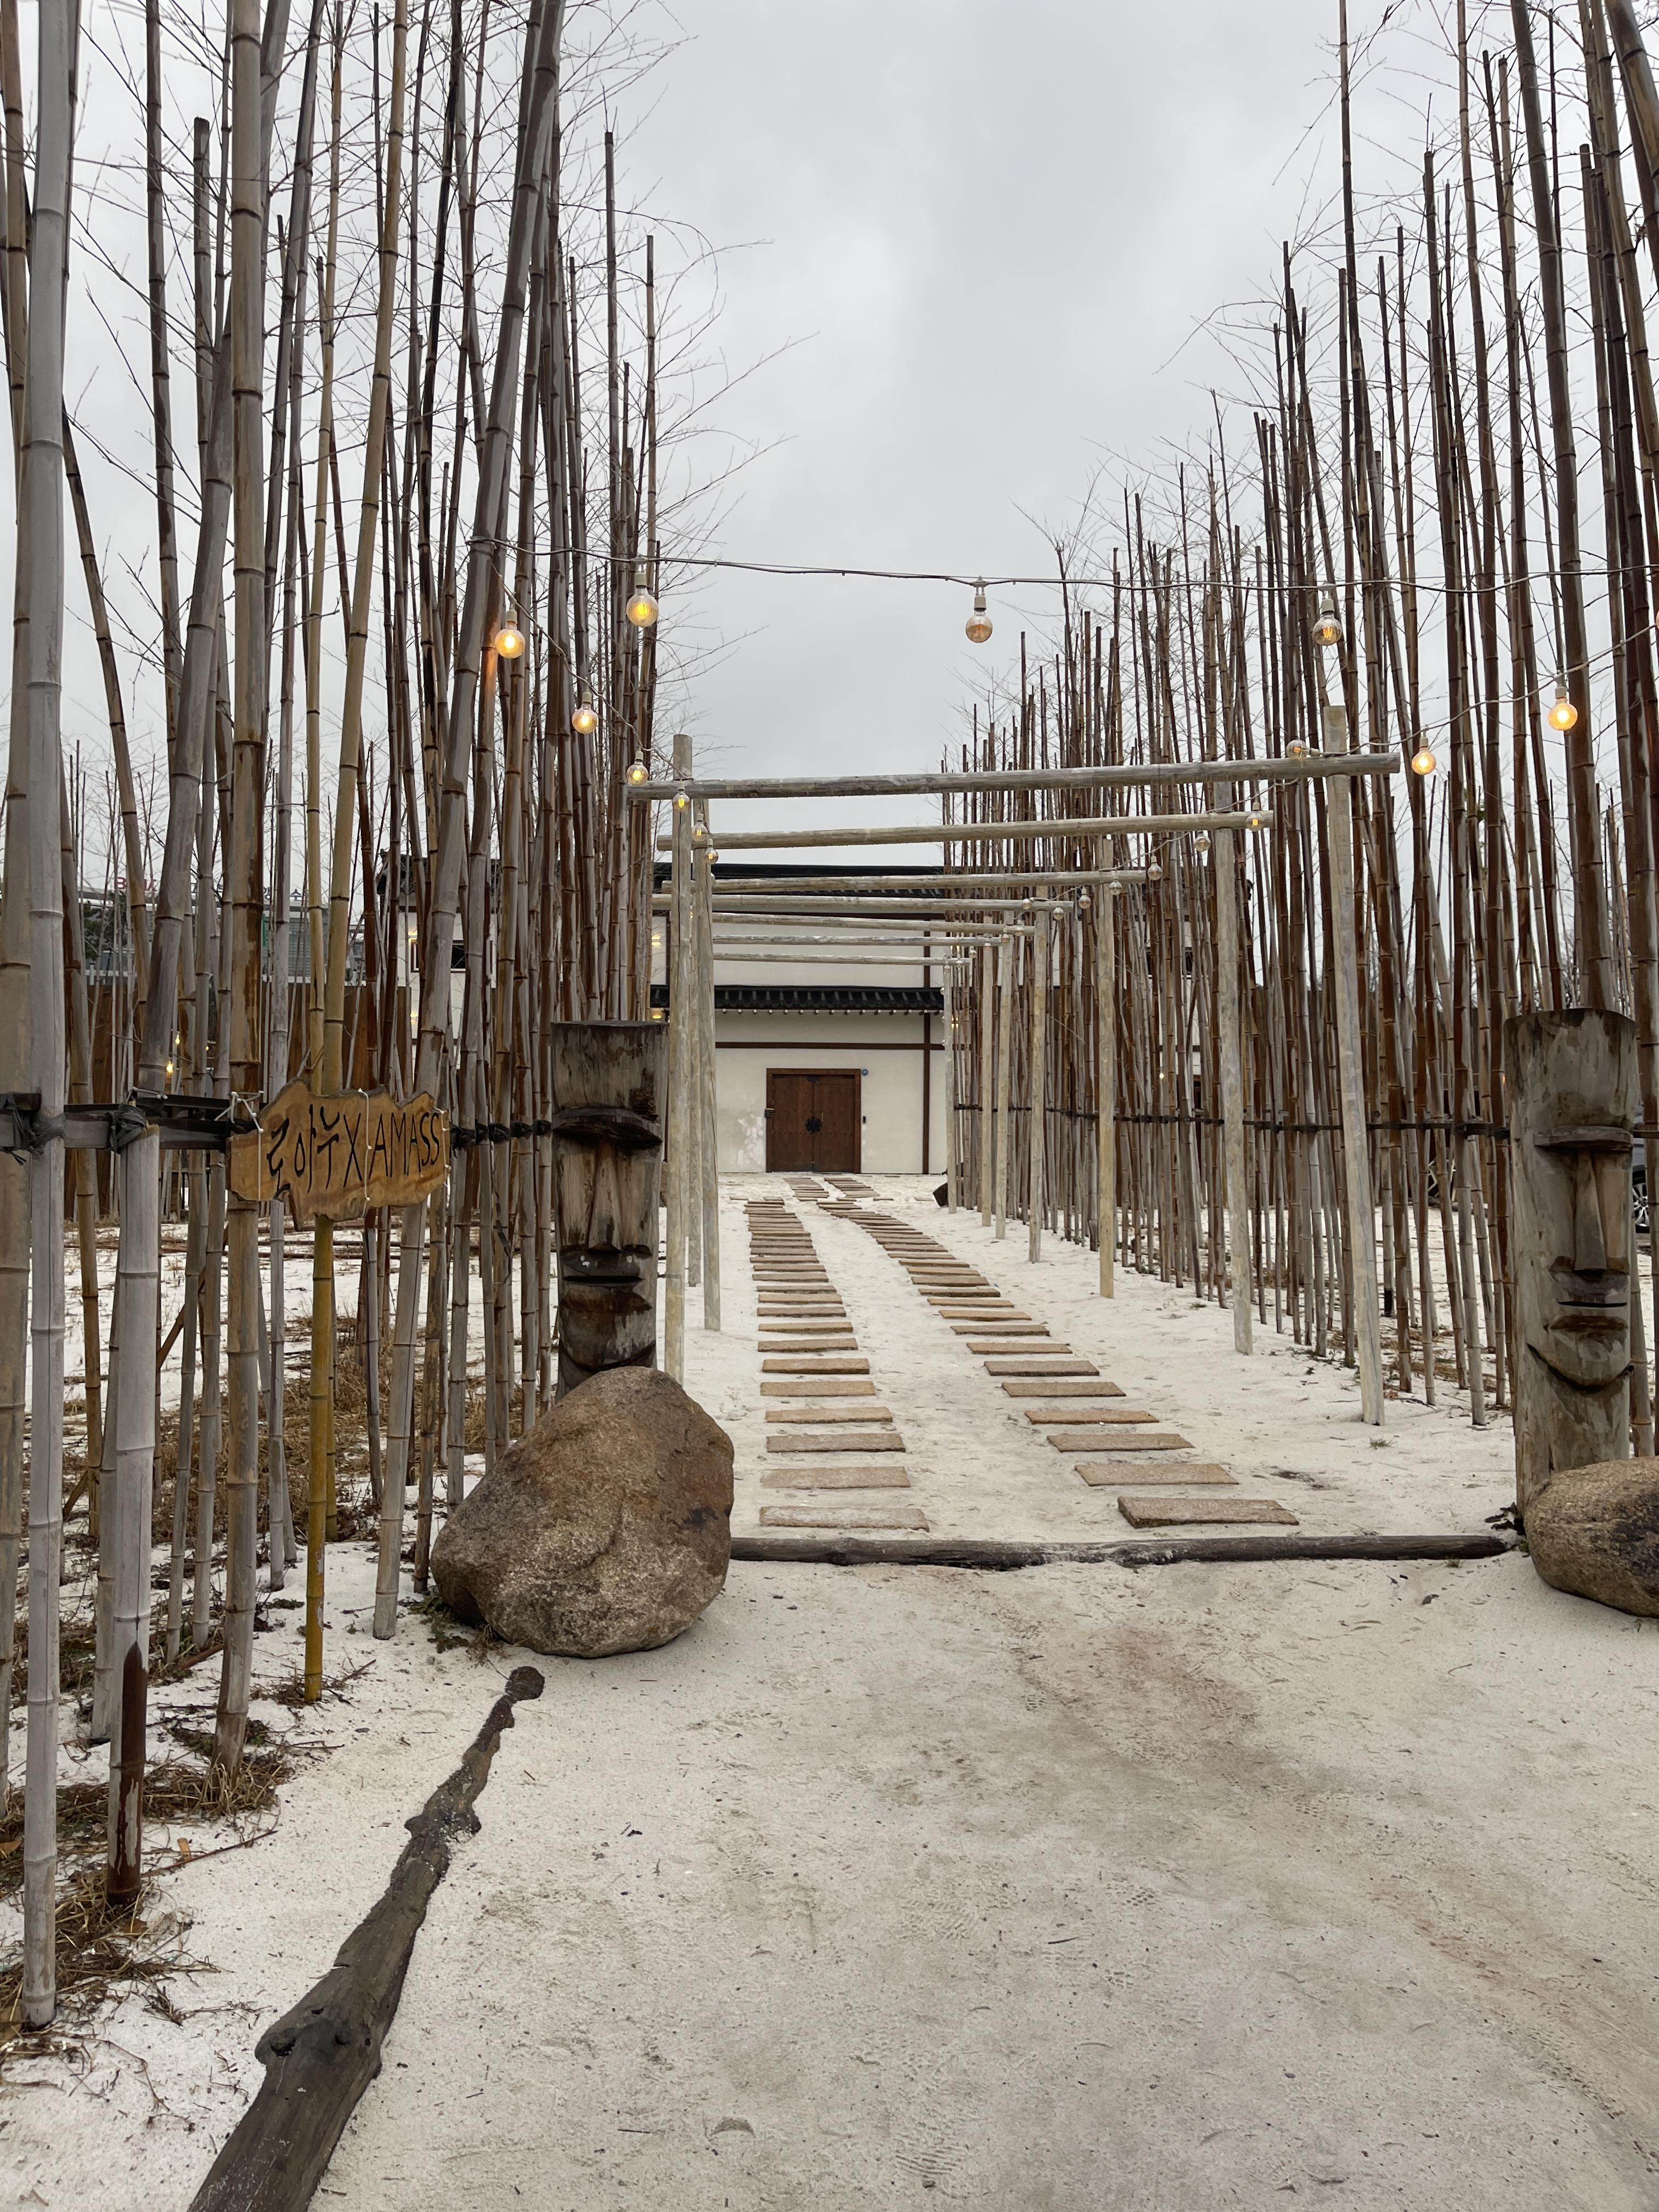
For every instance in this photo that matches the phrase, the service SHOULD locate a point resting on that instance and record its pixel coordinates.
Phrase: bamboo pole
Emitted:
(1042, 955)
(1236, 1232)
(41, 500)
(1004, 1070)
(1106, 1089)
(137, 1288)
(679, 1176)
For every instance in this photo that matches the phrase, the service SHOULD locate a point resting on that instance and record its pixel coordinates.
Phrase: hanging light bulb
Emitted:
(1255, 822)
(1084, 904)
(584, 716)
(1423, 761)
(509, 639)
(978, 623)
(713, 856)
(1202, 843)
(1297, 749)
(642, 608)
(638, 772)
(1328, 631)
(1154, 872)
(682, 800)
(1562, 716)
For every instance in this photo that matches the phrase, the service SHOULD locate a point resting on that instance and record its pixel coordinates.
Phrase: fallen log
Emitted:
(321, 2057)
(991, 1555)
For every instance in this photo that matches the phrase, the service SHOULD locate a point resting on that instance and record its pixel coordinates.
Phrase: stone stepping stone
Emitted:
(993, 1325)
(840, 1366)
(842, 1516)
(1043, 1416)
(830, 1387)
(859, 1412)
(1135, 1440)
(1186, 1512)
(842, 1440)
(1112, 1474)
(977, 1343)
(1029, 1366)
(1062, 1386)
(872, 1477)
(807, 1344)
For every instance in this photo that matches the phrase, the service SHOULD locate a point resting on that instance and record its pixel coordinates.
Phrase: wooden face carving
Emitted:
(607, 1157)
(1572, 1106)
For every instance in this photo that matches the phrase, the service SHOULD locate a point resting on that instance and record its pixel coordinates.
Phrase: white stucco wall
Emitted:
(887, 1046)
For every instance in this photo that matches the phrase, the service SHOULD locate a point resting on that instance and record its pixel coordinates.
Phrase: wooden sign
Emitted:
(339, 1156)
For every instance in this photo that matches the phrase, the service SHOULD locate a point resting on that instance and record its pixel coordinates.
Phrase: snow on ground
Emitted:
(1186, 1887)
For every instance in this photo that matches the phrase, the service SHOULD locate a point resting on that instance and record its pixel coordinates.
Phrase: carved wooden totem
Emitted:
(607, 1164)
(1572, 1106)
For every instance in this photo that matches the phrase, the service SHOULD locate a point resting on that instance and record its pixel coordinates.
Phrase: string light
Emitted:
(584, 716)
(1154, 872)
(1297, 749)
(642, 608)
(1085, 904)
(638, 772)
(509, 639)
(1562, 716)
(1202, 843)
(978, 623)
(682, 800)
(1328, 631)
(1423, 761)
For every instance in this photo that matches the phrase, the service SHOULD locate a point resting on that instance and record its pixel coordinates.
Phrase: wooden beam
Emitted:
(1150, 776)
(981, 833)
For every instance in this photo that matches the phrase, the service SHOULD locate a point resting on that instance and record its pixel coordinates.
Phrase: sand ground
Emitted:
(1076, 1887)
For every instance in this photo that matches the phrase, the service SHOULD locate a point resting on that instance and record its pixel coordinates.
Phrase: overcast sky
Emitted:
(994, 235)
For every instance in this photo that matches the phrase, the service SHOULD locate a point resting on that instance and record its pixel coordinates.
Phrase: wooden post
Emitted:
(678, 1118)
(952, 1134)
(987, 999)
(1004, 1069)
(1043, 955)
(607, 1085)
(1351, 1074)
(709, 1130)
(1573, 1099)
(138, 1283)
(1235, 1226)
(1106, 1088)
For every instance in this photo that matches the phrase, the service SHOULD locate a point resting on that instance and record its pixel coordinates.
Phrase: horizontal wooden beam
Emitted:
(1151, 776)
(945, 880)
(979, 833)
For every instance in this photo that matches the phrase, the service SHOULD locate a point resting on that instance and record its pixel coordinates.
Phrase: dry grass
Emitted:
(99, 1946)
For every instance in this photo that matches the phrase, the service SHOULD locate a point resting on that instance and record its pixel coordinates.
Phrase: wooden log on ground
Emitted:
(321, 2057)
(991, 1555)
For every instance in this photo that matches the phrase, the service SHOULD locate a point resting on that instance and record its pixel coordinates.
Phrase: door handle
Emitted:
(813, 1125)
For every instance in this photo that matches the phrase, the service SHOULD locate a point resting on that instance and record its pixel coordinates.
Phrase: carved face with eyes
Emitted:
(607, 1156)
(1573, 1109)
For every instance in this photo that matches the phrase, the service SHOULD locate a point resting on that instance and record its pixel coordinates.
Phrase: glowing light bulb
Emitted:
(1423, 761)
(1562, 716)
(978, 623)
(1255, 822)
(1328, 631)
(682, 800)
(638, 772)
(585, 717)
(642, 608)
(509, 639)
(713, 856)
(1297, 749)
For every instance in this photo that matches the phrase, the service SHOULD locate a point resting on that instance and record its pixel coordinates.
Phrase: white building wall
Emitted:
(885, 1048)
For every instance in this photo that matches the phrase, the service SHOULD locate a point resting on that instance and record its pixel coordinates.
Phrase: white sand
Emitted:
(1076, 1887)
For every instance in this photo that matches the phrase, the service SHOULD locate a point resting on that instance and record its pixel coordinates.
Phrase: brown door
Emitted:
(813, 1121)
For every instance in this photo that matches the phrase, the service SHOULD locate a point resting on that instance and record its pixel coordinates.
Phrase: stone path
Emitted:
(838, 1443)
(1120, 1447)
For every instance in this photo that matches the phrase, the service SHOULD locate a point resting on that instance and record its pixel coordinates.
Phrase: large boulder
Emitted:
(607, 1529)
(1594, 1531)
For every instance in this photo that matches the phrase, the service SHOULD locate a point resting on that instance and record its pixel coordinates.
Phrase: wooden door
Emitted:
(813, 1121)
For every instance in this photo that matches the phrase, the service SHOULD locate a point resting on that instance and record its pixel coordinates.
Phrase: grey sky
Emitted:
(990, 228)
